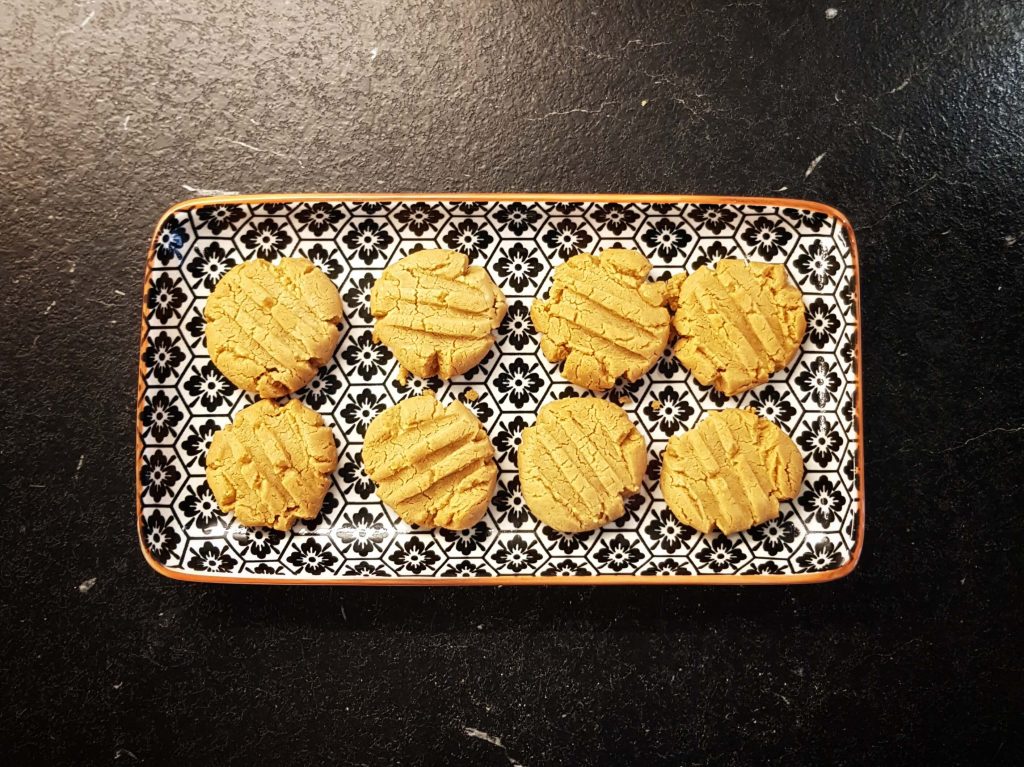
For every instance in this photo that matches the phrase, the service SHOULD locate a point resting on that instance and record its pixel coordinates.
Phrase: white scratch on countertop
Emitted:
(259, 149)
(902, 85)
(781, 189)
(48, 308)
(574, 110)
(87, 584)
(976, 437)
(205, 192)
(641, 44)
(831, 13)
(475, 733)
(71, 269)
(472, 732)
(1013, 239)
(373, 53)
(78, 468)
(119, 292)
(87, 19)
(124, 752)
(814, 164)
(124, 125)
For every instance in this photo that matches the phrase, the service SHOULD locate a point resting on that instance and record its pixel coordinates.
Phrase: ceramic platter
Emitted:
(183, 399)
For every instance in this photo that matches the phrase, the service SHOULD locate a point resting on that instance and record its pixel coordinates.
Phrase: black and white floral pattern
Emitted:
(171, 240)
(319, 219)
(667, 239)
(518, 267)
(713, 219)
(517, 329)
(767, 237)
(516, 218)
(162, 357)
(469, 236)
(364, 533)
(567, 237)
(369, 240)
(419, 218)
(210, 262)
(166, 298)
(267, 238)
(200, 508)
(159, 417)
(219, 219)
(184, 399)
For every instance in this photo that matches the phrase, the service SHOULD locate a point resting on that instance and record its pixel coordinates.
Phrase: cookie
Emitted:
(730, 472)
(579, 462)
(737, 324)
(436, 313)
(433, 465)
(272, 465)
(269, 327)
(602, 318)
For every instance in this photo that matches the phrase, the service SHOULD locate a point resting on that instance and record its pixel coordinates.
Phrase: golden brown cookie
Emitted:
(738, 323)
(579, 462)
(269, 327)
(730, 471)
(603, 318)
(433, 465)
(272, 465)
(436, 313)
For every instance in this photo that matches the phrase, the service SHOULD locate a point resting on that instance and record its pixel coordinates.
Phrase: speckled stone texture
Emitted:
(907, 116)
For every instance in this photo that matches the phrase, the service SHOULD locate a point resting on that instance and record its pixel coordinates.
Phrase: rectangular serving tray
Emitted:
(518, 238)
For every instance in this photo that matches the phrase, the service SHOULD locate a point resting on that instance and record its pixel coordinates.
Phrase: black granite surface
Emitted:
(908, 116)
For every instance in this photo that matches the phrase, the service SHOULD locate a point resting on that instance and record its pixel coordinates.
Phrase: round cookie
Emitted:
(272, 465)
(269, 327)
(436, 313)
(579, 462)
(433, 465)
(737, 324)
(603, 318)
(730, 472)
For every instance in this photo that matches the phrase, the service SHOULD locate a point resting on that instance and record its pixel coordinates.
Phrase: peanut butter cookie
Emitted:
(730, 472)
(272, 465)
(433, 465)
(738, 323)
(269, 327)
(578, 463)
(436, 313)
(603, 318)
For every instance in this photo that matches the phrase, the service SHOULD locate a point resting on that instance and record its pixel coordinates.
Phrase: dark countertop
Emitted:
(909, 119)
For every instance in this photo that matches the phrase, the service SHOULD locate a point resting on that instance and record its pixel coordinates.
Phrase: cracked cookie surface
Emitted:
(603, 318)
(737, 324)
(579, 462)
(433, 465)
(730, 471)
(436, 313)
(272, 465)
(270, 327)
